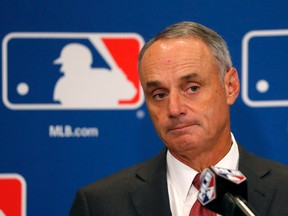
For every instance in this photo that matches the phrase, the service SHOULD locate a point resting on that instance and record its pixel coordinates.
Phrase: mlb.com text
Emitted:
(67, 131)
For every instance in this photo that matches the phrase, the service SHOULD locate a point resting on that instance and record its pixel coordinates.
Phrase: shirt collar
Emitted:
(230, 161)
(182, 176)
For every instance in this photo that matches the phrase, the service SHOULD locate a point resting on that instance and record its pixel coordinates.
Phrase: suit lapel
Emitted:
(149, 191)
(260, 194)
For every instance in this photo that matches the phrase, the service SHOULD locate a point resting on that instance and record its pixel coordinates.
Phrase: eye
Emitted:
(193, 88)
(159, 96)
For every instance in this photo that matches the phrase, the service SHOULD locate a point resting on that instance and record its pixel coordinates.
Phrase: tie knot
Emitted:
(196, 181)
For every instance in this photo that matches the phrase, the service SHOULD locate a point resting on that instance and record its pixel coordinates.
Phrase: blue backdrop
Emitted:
(52, 149)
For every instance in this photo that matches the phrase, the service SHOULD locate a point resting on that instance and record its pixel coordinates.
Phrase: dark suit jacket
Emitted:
(142, 189)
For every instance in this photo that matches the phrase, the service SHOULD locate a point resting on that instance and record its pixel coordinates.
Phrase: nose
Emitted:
(176, 105)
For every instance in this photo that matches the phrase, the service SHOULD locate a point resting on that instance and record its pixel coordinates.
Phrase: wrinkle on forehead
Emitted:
(161, 50)
(175, 56)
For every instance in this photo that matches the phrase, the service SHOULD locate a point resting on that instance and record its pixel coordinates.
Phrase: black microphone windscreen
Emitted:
(216, 182)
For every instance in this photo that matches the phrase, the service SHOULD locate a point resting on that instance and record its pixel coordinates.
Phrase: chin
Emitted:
(183, 144)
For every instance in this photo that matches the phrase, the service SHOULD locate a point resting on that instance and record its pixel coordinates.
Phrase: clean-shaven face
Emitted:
(184, 95)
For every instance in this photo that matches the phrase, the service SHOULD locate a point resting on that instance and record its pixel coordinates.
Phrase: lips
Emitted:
(180, 127)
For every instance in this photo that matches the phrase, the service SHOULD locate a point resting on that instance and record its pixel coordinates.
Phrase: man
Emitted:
(189, 85)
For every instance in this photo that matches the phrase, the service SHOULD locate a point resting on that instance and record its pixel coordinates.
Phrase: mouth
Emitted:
(180, 128)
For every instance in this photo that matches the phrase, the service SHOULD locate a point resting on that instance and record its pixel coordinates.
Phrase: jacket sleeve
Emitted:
(80, 206)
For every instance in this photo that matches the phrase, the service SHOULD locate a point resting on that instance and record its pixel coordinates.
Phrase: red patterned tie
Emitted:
(197, 208)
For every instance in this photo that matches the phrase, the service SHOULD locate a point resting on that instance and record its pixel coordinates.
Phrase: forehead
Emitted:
(176, 56)
(190, 43)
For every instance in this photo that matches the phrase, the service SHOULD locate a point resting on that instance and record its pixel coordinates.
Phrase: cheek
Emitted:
(214, 108)
(157, 119)
(219, 112)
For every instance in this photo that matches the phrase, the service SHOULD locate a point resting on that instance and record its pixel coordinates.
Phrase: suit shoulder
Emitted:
(263, 167)
(268, 163)
(279, 170)
(122, 179)
(119, 177)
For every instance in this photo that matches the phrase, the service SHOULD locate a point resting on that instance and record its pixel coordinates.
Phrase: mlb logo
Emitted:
(264, 54)
(12, 195)
(234, 176)
(55, 71)
(207, 191)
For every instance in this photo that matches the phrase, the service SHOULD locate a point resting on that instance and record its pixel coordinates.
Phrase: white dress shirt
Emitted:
(182, 194)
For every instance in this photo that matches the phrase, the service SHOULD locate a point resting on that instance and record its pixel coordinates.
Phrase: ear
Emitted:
(232, 85)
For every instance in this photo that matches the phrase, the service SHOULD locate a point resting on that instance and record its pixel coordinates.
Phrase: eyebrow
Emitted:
(186, 77)
(151, 84)
(189, 76)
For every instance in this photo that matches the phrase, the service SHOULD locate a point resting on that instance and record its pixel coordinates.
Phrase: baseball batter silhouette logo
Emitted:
(71, 71)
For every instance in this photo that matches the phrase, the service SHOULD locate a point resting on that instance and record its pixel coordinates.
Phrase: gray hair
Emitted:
(191, 29)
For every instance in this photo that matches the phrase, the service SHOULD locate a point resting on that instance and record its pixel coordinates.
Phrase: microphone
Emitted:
(224, 191)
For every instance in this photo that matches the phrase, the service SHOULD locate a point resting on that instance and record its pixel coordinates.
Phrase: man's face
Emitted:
(188, 104)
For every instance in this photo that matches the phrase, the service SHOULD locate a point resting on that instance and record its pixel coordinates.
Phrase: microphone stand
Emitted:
(236, 206)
